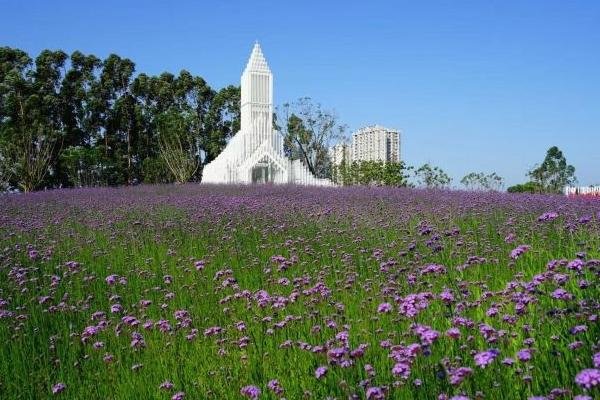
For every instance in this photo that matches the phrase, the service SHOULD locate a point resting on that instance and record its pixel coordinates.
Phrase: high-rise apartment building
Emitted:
(376, 143)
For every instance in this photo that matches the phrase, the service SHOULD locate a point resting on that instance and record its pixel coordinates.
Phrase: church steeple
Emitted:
(257, 101)
(257, 61)
(255, 154)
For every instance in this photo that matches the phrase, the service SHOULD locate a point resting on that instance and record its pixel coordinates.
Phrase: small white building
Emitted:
(583, 191)
(255, 153)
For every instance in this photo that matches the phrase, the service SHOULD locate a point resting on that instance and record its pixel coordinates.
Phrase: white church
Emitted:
(255, 153)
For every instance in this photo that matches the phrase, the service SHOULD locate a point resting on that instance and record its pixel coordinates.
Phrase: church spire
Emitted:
(257, 61)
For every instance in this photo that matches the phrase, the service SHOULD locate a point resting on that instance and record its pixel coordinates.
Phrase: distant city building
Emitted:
(339, 153)
(376, 143)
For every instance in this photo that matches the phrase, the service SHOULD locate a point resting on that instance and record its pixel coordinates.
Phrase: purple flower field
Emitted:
(194, 292)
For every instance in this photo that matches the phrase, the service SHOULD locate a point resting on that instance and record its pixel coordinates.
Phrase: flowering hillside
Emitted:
(194, 292)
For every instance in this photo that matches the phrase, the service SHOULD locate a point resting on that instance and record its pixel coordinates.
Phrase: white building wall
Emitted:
(339, 153)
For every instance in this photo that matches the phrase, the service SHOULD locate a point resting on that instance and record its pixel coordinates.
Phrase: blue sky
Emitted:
(473, 85)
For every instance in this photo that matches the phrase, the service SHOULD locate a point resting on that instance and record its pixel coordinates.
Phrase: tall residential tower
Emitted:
(376, 143)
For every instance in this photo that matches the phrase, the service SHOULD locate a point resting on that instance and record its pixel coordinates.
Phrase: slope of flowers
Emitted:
(186, 292)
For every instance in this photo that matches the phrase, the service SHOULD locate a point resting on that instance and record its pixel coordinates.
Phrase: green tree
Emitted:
(529, 187)
(372, 173)
(177, 145)
(481, 181)
(76, 118)
(553, 174)
(431, 177)
(395, 174)
(218, 119)
(308, 130)
(81, 165)
(29, 115)
(79, 121)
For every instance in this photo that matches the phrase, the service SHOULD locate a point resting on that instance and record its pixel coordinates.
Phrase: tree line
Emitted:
(77, 120)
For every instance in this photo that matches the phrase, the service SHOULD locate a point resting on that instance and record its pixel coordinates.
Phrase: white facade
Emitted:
(340, 153)
(255, 153)
(376, 143)
(586, 191)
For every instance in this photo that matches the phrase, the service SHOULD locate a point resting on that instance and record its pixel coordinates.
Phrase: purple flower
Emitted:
(433, 269)
(548, 216)
(137, 340)
(240, 326)
(575, 345)
(336, 353)
(459, 374)
(491, 312)
(320, 372)
(588, 378)
(518, 251)
(426, 334)
(453, 333)
(250, 391)
(342, 336)
(575, 265)
(33, 254)
(578, 329)
(116, 308)
(178, 396)
(524, 355)
(413, 303)
(275, 387)
(199, 265)
(129, 320)
(508, 361)
(369, 370)
(596, 360)
(485, 358)
(384, 308)
(213, 330)
(375, 393)
(88, 332)
(401, 369)
(446, 296)
(58, 388)
(111, 279)
(166, 385)
(561, 294)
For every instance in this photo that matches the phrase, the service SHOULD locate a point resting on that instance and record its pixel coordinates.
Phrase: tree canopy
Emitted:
(308, 131)
(81, 121)
(482, 181)
(431, 177)
(551, 176)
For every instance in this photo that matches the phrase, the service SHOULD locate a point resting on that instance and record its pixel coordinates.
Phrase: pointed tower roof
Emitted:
(257, 61)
